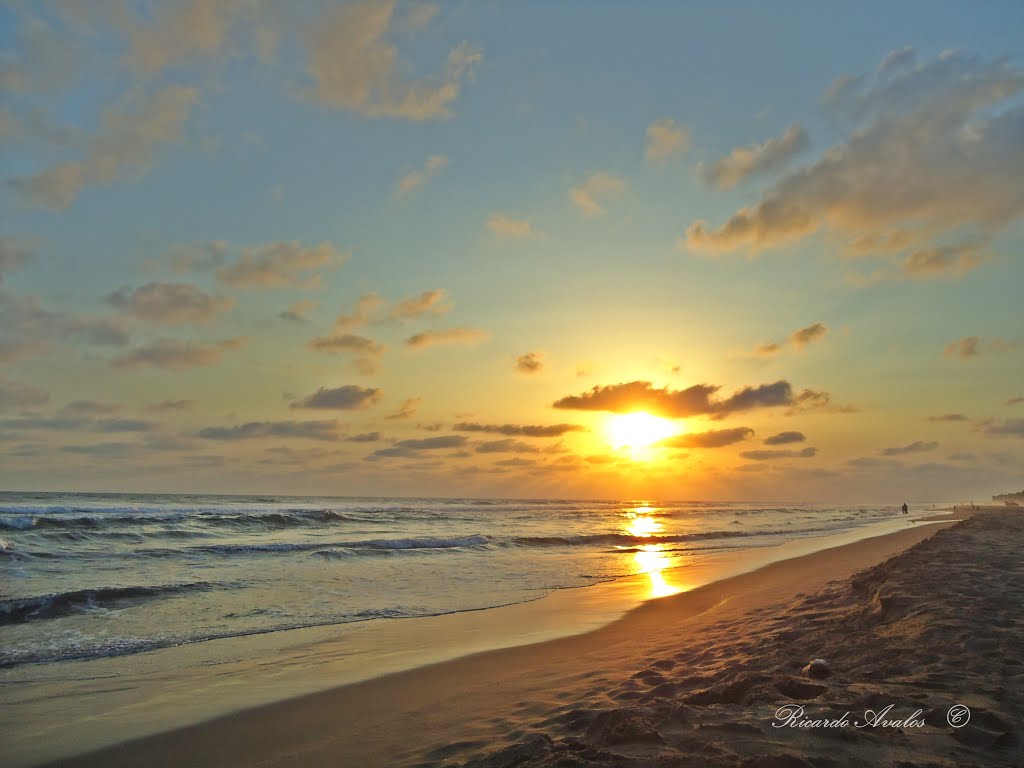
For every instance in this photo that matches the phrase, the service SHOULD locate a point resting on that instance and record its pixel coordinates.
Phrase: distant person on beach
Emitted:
(904, 507)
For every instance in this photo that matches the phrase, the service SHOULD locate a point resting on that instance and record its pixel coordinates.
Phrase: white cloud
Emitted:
(354, 65)
(744, 162)
(508, 227)
(124, 149)
(930, 158)
(595, 190)
(416, 179)
(279, 263)
(665, 139)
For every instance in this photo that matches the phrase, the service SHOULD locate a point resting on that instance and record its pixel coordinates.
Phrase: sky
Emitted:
(401, 249)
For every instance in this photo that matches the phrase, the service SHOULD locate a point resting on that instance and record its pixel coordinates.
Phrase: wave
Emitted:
(631, 540)
(21, 609)
(440, 542)
(259, 520)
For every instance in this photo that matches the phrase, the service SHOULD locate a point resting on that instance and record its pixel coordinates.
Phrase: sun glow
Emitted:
(638, 432)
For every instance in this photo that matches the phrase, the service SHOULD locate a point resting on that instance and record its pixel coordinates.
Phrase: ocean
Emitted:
(96, 575)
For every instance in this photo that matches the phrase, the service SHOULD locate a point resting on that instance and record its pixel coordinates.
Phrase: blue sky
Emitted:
(561, 197)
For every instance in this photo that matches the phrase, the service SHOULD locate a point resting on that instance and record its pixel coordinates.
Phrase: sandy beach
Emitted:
(922, 619)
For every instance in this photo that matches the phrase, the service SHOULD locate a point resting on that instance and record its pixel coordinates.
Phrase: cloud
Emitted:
(917, 446)
(123, 150)
(505, 226)
(414, 447)
(715, 438)
(1008, 428)
(20, 396)
(805, 336)
(596, 189)
(169, 303)
(973, 346)
(297, 312)
(201, 257)
(799, 339)
(693, 401)
(406, 410)
(946, 260)
(1014, 401)
(347, 398)
(313, 430)
(507, 445)
(364, 437)
(531, 362)
(178, 34)
(785, 438)
(665, 139)
(768, 349)
(170, 405)
(816, 400)
(14, 253)
(107, 450)
(949, 417)
(27, 328)
(124, 425)
(417, 178)
(367, 351)
(425, 303)
(447, 336)
(365, 310)
(279, 263)
(353, 66)
(928, 155)
(525, 430)
(89, 408)
(176, 355)
(744, 162)
(804, 453)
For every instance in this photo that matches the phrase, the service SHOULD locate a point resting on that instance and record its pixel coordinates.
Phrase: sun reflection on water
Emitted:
(650, 558)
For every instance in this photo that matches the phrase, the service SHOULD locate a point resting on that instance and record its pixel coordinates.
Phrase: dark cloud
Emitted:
(21, 396)
(313, 430)
(277, 264)
(715, 438)
(89, 408)
(13, 254)
(784, 438)
(531, 362)
(917, 446)
(508, 445)
(169, 303)
(447, 336)
(366, 351)
(1008, 428)
(170, 405)
(816, 400)
(965, 348)
(124, 425)
(347, 398)
(516, 461)
(406, 410)
(414, 448)
(804, 453)
(175, 355)
(1014, 401)
(693, 401)
(872, 462)
(524, 430)
(61, 423)
(298, 311)
(805, 336)
(365, 437)
(949, 417)
(108, 450)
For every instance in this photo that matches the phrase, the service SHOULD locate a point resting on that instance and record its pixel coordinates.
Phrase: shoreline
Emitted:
(282, 720)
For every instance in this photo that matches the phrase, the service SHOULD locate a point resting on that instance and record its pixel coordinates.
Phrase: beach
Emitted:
(921, 619)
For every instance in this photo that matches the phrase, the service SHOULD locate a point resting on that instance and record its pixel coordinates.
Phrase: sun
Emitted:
(638, 430)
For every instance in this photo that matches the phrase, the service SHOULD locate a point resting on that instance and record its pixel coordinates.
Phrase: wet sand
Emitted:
(695, 678)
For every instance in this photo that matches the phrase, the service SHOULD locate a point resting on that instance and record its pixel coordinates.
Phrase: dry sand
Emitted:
(696, 678)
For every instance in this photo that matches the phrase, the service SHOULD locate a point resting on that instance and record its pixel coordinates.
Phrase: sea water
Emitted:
(93, 575)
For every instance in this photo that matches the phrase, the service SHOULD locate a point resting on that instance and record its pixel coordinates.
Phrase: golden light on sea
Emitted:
(650, 560)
